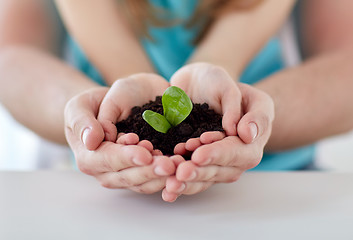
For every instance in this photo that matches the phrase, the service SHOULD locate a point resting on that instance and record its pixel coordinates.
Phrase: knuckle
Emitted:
(264, 119)
(119, 82)
(107, 184)
(68, 110)
(255, 160)
(216, 71)
(84, 167)
(233, 178)
(146, 176)
(123, 181)
(75, 128)
(143, 190)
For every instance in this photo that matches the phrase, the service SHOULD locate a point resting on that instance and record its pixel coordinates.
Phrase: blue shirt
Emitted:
(171, 48)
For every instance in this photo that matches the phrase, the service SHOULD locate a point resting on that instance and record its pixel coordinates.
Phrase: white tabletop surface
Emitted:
(70, 205)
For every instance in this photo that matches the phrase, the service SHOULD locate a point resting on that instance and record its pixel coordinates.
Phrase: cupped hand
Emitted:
(207, 83)
(219, 157)
(128, 162)
(126, 93)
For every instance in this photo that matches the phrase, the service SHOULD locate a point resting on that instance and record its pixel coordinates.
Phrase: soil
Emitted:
(200, 120)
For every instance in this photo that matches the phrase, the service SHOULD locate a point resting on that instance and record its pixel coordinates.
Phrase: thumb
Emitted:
(231, 108)
(257, 120)
(91, 133)
(81, 125)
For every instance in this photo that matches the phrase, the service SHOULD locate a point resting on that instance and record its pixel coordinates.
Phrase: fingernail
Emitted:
(181, 188)
(253, 130)
(85, 135)
(207, 162)
(138, 161)
(192, 176)
(107, 136)
(160, 171)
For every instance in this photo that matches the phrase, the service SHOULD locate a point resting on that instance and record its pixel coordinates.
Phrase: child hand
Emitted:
(123, 95)
(208, 83)
(216, 157)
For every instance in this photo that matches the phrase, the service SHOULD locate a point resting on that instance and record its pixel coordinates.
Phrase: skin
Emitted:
(217, 157)
(321, 85)
(118, 41)
(328, 54)
(123, 161)
(227, 99)
(28, 40)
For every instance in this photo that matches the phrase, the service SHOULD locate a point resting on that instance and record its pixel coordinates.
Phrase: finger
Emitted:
(81, 125)
(157, 152)
(146, 144)
(115, 107)
(128, 139)
(196, 187)
(150, 187)
(111, 109)
(231, 151)
(134, 176)
(110, 131)
(168, 196)
(174, 188)
(192, 144)
(173, 185)
(231, 108)
(248, 130)
(177, 159)
(126, 93)
(254, 125)
(210, 137)
(180, 149)
(112, 157)
(257, 121)
(190, 189)
(188, 173)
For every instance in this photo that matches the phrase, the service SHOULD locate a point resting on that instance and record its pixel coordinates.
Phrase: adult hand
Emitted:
(219, 157)
(128, 162)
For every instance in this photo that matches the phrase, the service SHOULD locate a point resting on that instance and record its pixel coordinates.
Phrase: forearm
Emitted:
(36, 87)
(234, 39)
(309, 104)
(106, 37)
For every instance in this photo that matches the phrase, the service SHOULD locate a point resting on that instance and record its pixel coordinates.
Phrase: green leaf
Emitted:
(176, 105)
(157, 121)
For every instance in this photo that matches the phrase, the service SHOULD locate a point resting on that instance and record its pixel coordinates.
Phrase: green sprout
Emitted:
(176, 108)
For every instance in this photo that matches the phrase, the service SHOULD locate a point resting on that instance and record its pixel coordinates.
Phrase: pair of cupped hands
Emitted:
(122, 160)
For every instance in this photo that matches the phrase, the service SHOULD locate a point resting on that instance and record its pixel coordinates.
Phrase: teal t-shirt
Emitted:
(171, 47)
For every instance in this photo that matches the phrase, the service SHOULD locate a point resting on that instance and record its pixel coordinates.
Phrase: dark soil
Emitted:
(200, 120)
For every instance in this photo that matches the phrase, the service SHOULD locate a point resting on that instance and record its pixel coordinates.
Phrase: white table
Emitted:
(70, 205)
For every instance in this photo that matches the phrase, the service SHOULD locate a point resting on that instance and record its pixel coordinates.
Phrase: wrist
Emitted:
(228, 66)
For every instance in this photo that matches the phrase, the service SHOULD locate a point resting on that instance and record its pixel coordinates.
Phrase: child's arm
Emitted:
(105, 37)
(235, 38)
(229, 45)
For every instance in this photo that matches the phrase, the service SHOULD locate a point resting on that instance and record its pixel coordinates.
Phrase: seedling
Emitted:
(176, 108)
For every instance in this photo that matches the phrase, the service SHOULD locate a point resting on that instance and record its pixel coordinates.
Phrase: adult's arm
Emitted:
(35, 85)
(314, 100)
